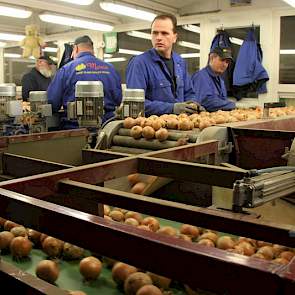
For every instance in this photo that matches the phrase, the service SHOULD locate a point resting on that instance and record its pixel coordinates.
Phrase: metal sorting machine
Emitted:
(70, 197)
(39, 118)
(118, 139)
(10, 110)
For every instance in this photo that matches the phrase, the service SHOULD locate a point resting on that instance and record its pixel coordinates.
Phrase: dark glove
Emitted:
(183, 107)
(196, 106)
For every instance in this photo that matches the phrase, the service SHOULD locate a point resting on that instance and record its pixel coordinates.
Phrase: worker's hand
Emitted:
(196, 106)
(183, 107)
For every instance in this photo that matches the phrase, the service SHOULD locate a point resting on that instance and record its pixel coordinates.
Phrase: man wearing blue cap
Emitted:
(208, 84)
(84, 67)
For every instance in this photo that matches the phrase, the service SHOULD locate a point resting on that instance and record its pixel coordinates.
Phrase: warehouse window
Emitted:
(237, 36)
(133, 43)
(287, 51)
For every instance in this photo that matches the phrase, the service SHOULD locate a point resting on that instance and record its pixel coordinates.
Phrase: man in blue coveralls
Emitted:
(208, 83)
(162, 73)
(84, 67)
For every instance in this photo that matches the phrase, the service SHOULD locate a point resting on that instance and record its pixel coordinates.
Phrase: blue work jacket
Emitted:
(210, 90)
(86, 67)
(149, 72)
(248, 69)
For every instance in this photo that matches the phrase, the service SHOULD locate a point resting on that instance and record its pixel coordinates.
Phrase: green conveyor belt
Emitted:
(70, 277)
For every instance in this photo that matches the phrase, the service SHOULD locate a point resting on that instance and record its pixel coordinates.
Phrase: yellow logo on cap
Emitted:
(80, 67)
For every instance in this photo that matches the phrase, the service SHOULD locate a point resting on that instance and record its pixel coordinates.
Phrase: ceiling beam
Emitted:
(12, 29)
(57, 8)
(152, 5)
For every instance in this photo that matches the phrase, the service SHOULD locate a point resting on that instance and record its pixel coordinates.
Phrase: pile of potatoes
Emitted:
(240, 245)
(19, 241)
(148, 128)
(156, 126)
(132, 280)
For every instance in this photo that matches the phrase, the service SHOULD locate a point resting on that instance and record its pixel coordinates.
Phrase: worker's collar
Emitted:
(157, 57)
(84, 53)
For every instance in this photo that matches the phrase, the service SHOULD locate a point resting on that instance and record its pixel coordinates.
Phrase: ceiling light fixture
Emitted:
(189, 44)
(79, 2)
(11, 37)
(75, 22)
(236, 41)
(287, 51)
(12, 55)
(192, 28)
(190, 55)
(128, 51)
(107, 55)
(14, 12)
(127, 10)
(290, 2)
(50, 49)
(138, 34)
(115, 59)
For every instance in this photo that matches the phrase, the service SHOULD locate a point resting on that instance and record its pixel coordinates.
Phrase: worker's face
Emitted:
(163, 36)
(218, 65)
(44, 68)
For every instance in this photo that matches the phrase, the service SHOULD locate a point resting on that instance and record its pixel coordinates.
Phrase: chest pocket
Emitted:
(162, 90)
(162, 84)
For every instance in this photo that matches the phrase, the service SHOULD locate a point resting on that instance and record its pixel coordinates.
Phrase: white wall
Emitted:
(269, 22)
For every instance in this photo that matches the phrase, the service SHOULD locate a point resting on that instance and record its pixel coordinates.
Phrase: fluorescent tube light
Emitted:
(14, 12)
(11, 37)
(192, 28)
(236, 40)
(138, 34)
(79, 2)
(189, 44)
(128, 51)
(107, 55)
(190, 55)
(74, 22)
(290, 2)
(12, 55)
(50, 49)
(127, 10)
(115, 59)
(287, 51)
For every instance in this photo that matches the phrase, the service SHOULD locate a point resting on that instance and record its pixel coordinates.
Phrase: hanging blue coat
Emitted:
(249, 74)
(86, 67)
(221, 39)
(149, 72)
(210, 90)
